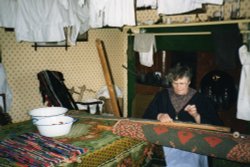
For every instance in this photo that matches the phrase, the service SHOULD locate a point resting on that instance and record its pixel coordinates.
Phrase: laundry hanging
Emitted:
(146, 3)
(243, 105)
(96, 11)
(8, 13)
(78, 19)
(41, 21)
(145, 44)
(111, 13)
(182, 6)
(177, 6)
(45, 20)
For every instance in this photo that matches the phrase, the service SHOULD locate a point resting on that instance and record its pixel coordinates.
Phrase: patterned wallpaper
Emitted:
(80, 64)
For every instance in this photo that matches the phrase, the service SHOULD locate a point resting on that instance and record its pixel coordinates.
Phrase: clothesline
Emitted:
(186, 33)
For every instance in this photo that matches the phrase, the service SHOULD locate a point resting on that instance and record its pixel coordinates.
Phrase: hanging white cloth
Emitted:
(119, 13)
(216, 2)
(179, 158)
(96, 12)
(8, 10)
(182, 6)
(145, 44)
(4, 88)
(41, 21)
(113, 13)
(177, 6)
(147, 58)
(78, 18)
(46, 20)
(243, 103)
(146, 3)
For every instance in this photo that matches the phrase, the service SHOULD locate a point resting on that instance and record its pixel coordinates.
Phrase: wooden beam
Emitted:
(180, 124)
(107, 75)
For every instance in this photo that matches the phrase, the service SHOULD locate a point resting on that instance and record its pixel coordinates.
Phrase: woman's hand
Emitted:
(162, 117)
(192, 110)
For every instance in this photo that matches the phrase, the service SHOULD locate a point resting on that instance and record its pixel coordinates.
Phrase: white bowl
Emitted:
(54, 126)
(45, 112)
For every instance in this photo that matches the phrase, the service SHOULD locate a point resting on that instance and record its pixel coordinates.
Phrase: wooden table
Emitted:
(103, 147)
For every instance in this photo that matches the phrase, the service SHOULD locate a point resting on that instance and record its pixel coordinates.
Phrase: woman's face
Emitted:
(181, 85)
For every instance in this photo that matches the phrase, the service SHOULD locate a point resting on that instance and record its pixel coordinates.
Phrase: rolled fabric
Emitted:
(205, 142)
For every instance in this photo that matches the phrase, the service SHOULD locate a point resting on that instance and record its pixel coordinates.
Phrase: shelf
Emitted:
(240, 21)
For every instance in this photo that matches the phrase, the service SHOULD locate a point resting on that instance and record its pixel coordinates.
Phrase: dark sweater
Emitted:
(162, 104)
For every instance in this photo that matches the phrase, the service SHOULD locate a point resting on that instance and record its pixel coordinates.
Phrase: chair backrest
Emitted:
(220, 87)
(5, 118)
(53, 90)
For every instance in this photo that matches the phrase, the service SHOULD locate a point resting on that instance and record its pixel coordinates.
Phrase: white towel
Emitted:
(145, 45)
(243, 103)
(143, 42)
(146, 58)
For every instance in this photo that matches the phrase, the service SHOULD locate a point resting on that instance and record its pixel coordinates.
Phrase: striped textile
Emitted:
(32, 149)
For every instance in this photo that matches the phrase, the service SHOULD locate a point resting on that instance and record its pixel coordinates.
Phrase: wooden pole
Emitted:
(190, 125)
(181, 125)
(107, 75)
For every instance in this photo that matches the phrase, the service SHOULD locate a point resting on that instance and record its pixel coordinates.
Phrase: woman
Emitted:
(182, 103)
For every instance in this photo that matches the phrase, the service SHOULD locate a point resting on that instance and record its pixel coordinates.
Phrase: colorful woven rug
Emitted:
(36, 150)
(106, 148)
(103, 147)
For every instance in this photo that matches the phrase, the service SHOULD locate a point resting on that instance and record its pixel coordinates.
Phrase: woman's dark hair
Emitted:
(178, 72)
